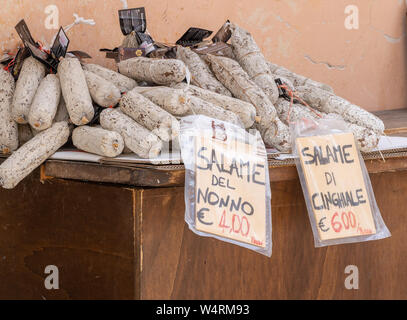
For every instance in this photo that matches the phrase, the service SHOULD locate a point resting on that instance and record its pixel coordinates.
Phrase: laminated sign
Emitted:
(337, 189)
(58, 49)
(227, 185)
(60, 46)
(133, 20)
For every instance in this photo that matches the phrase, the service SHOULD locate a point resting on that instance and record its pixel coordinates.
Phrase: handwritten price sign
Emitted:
(336, 187)
(230, 193)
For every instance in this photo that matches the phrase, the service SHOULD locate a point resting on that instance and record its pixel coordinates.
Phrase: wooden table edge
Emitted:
(159, 177)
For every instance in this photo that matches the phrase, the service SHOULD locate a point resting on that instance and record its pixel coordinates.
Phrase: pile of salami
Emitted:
(143, 102)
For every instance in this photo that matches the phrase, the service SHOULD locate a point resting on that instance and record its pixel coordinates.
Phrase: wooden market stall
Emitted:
(118, 232)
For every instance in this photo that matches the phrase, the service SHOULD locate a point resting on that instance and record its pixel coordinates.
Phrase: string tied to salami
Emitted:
(79, 20)
(291, 96)
(43, 47)
(125, 5)
(11, 63)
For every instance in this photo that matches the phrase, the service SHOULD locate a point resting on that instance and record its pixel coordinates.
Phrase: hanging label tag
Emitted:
(224, 33)
(43, 57)
(24, 33)
(60, 46)
(133, 20)
(231, 190)
(193, 36)
(335, 186)
(111, 53)
(144, 37)
(146, 42)
(227, 184)
(35, 50)
(21, 55)
(128, 53)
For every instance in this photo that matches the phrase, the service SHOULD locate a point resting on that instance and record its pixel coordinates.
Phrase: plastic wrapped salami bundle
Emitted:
(227, 185)
(341, 204)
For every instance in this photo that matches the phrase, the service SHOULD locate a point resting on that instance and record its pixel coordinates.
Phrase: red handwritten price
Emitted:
(230, 190)
(343, 222)
(347, 220)
(238, 225)
(336, 187)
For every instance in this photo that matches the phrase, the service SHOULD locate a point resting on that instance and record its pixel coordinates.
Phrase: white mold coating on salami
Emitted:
(201, 75)
(366, 139)
(238, 82)
(278, 136)
(8, 128)
(31, 74)
(137, 138)
(150, 116)
(291, 113)
(159, 71)
(327, 102)
(122, 82)
(75, 91)
(296, 79)
(32, 154)
(201, 107)
(98, 141)
(273, 131)
(103, 92)
(249, 56)
(45, 103)
(174, 101)
(244, 110)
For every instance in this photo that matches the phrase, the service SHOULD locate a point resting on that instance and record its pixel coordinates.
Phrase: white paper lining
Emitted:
(385, 143)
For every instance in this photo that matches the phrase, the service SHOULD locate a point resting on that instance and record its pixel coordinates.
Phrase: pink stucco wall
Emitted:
(366, 66)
